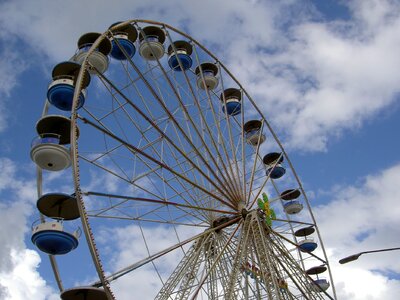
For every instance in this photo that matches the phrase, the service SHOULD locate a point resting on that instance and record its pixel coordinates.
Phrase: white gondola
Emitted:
(48, 150)
(291, 205)
(207, 76)
(98, 59)
(253, 132)
(151, 43)
(319, 285)
(48, 154)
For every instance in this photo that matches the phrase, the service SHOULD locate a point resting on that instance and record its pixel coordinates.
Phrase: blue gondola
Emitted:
(231, 101)
(55, 242)
(126, 37)
(274, 161)
(179, 55)
(126, 44)
(233, 107)
(50, 238)
(61, 91)
(276, 172)
(307, 245)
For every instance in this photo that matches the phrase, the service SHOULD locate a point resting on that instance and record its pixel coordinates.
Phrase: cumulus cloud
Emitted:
(360, 218)
(133, 243)
(21, 281)
(19, 278)
(11, 67)
(327, 76)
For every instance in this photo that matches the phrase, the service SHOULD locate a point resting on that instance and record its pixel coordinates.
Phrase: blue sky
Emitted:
(326, 75)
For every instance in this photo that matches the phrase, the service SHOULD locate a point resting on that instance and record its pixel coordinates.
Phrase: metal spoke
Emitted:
(155, 126)
(170, 116)
(161, 164)
(160, 202)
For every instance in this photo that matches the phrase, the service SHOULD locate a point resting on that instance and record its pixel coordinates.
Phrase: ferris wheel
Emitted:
(157, 134)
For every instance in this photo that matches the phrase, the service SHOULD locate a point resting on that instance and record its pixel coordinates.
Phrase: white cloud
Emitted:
(19, 278)
(360, 284)
(11, 67)
(130, 248)
(327, 76)
(361, 218)
(21, 281)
